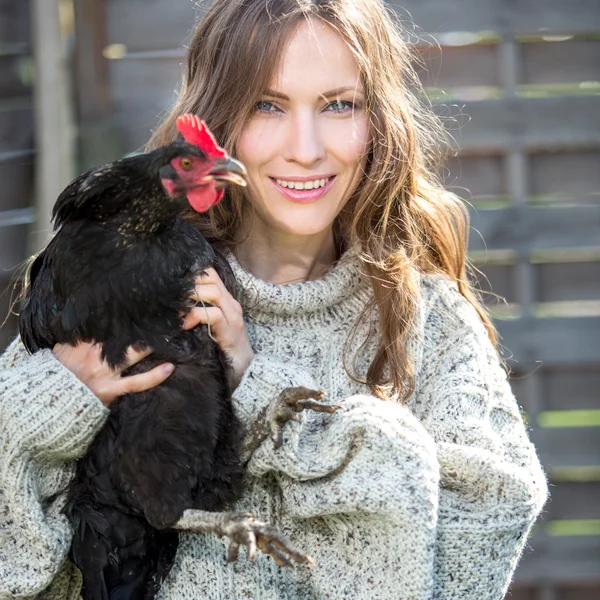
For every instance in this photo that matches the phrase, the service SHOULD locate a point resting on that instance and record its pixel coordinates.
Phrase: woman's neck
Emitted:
(278, 258)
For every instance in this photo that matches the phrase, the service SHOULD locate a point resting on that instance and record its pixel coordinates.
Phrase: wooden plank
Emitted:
(496, 279)
(565, 174)
(21, 216)
(572, 388)
(560, 560)
(567, 446)
(567, 281)
(573, 500)
(554, 341)
(459, 66)
(579, 592)
(16, 128)
(533, 227)
(482, 175)
(150, 24)
(8, 323)
(14, 79)
(16, 176)
(53, 121)
(506, 16)
(14, 22)
(561, 62)
(13, 248)
(530, 123)
(99, 139)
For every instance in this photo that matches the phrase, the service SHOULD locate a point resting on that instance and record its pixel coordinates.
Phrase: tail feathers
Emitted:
(120, 556)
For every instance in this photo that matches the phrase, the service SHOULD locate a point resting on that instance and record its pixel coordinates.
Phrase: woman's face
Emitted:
(310, 126)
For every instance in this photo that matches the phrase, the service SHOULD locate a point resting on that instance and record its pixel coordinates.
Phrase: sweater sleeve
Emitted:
(492, 486)
(460, 483)
(370, 467)
(47, 420)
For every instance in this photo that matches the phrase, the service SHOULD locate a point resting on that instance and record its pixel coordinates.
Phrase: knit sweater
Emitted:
(433, 499)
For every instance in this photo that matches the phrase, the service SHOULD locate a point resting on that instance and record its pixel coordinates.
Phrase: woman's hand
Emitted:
(226, 321)
(85, 362)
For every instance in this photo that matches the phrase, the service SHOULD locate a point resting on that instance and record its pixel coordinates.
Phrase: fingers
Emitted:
(207, 315)
(134, 356)
(210, 289)
(145, 381)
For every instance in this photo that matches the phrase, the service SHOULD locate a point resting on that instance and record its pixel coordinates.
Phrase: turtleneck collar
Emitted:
(342, 282)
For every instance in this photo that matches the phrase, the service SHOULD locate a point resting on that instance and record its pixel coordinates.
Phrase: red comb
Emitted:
(195, 131)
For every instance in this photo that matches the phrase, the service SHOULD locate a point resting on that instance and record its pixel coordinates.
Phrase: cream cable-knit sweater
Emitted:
(436, 500)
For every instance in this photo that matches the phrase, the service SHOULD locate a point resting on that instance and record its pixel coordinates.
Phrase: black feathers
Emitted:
(119, 272)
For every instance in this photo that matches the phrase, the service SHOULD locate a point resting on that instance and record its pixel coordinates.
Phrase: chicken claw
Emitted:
(287, 406)
(244, 530)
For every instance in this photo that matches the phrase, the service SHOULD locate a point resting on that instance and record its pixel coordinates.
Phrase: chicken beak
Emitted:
(229, 170)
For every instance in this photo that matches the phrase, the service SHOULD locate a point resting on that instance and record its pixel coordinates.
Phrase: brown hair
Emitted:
(400, 213)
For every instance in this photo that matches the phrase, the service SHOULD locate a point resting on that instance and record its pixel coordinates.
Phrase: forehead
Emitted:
(315, 59)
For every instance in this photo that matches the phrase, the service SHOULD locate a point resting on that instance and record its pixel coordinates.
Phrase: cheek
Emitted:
(349, 140)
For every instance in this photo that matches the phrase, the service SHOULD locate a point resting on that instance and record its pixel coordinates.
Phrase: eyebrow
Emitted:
(327, 94)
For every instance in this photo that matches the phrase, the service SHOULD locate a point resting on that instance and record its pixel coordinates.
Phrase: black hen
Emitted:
(120, 271)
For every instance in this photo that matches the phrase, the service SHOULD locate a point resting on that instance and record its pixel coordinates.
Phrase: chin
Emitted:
(296, 223)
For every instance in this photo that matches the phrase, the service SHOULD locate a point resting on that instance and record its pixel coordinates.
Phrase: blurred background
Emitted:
(518, 82)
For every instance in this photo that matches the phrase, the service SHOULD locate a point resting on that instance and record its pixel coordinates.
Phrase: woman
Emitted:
(424, 485)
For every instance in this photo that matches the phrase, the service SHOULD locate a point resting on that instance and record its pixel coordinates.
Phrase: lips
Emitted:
(303, 196)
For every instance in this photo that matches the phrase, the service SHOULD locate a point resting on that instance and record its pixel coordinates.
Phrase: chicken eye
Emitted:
(186, 163)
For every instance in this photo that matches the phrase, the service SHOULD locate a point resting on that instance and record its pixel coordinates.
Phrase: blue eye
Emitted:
(264, 106)
(340, 103)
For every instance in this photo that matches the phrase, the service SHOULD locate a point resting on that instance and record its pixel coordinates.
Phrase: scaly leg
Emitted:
(243, 529)
(286, 407)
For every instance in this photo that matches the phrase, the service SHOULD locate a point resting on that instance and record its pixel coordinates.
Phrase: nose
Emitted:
(305, 144)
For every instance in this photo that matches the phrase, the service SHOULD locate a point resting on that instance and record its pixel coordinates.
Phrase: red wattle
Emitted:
(205, 197)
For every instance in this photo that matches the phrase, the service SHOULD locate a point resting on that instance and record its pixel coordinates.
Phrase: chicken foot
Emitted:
(243, 529)
(286, 407)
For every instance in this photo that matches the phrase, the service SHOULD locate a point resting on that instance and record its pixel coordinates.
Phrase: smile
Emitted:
(303, 185)
(303, 194)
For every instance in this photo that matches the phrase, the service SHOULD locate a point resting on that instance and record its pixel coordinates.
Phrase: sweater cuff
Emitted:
(265, 378)
(46, 410)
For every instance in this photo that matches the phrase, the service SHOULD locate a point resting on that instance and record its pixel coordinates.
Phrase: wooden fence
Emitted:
(519, 83)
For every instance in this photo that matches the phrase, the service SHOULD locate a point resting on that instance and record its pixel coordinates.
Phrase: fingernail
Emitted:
(168, 368)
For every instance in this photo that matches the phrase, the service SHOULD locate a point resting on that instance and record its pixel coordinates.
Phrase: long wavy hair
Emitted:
(400, 213)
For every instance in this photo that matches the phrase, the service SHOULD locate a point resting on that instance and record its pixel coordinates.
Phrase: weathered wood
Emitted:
(16, 176)
(143, 91)
(450, 67)
(54, 133)
(13, 245)
(150, 24)
(555, 341)
(568, 281)
(531, 227)
(21, 216)
(558, 62)
(540, 17)
(8, 321)
(496, 280)
(573, 500)
(476, 176)
(565, 174)
(13, 81)
(568, 446)
(560, 560)
(16, 128)
(98, 140)
(14, 22)
(571, 388)
(530, 123)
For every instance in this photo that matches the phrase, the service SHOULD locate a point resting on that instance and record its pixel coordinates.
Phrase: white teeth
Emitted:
(303, 185)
